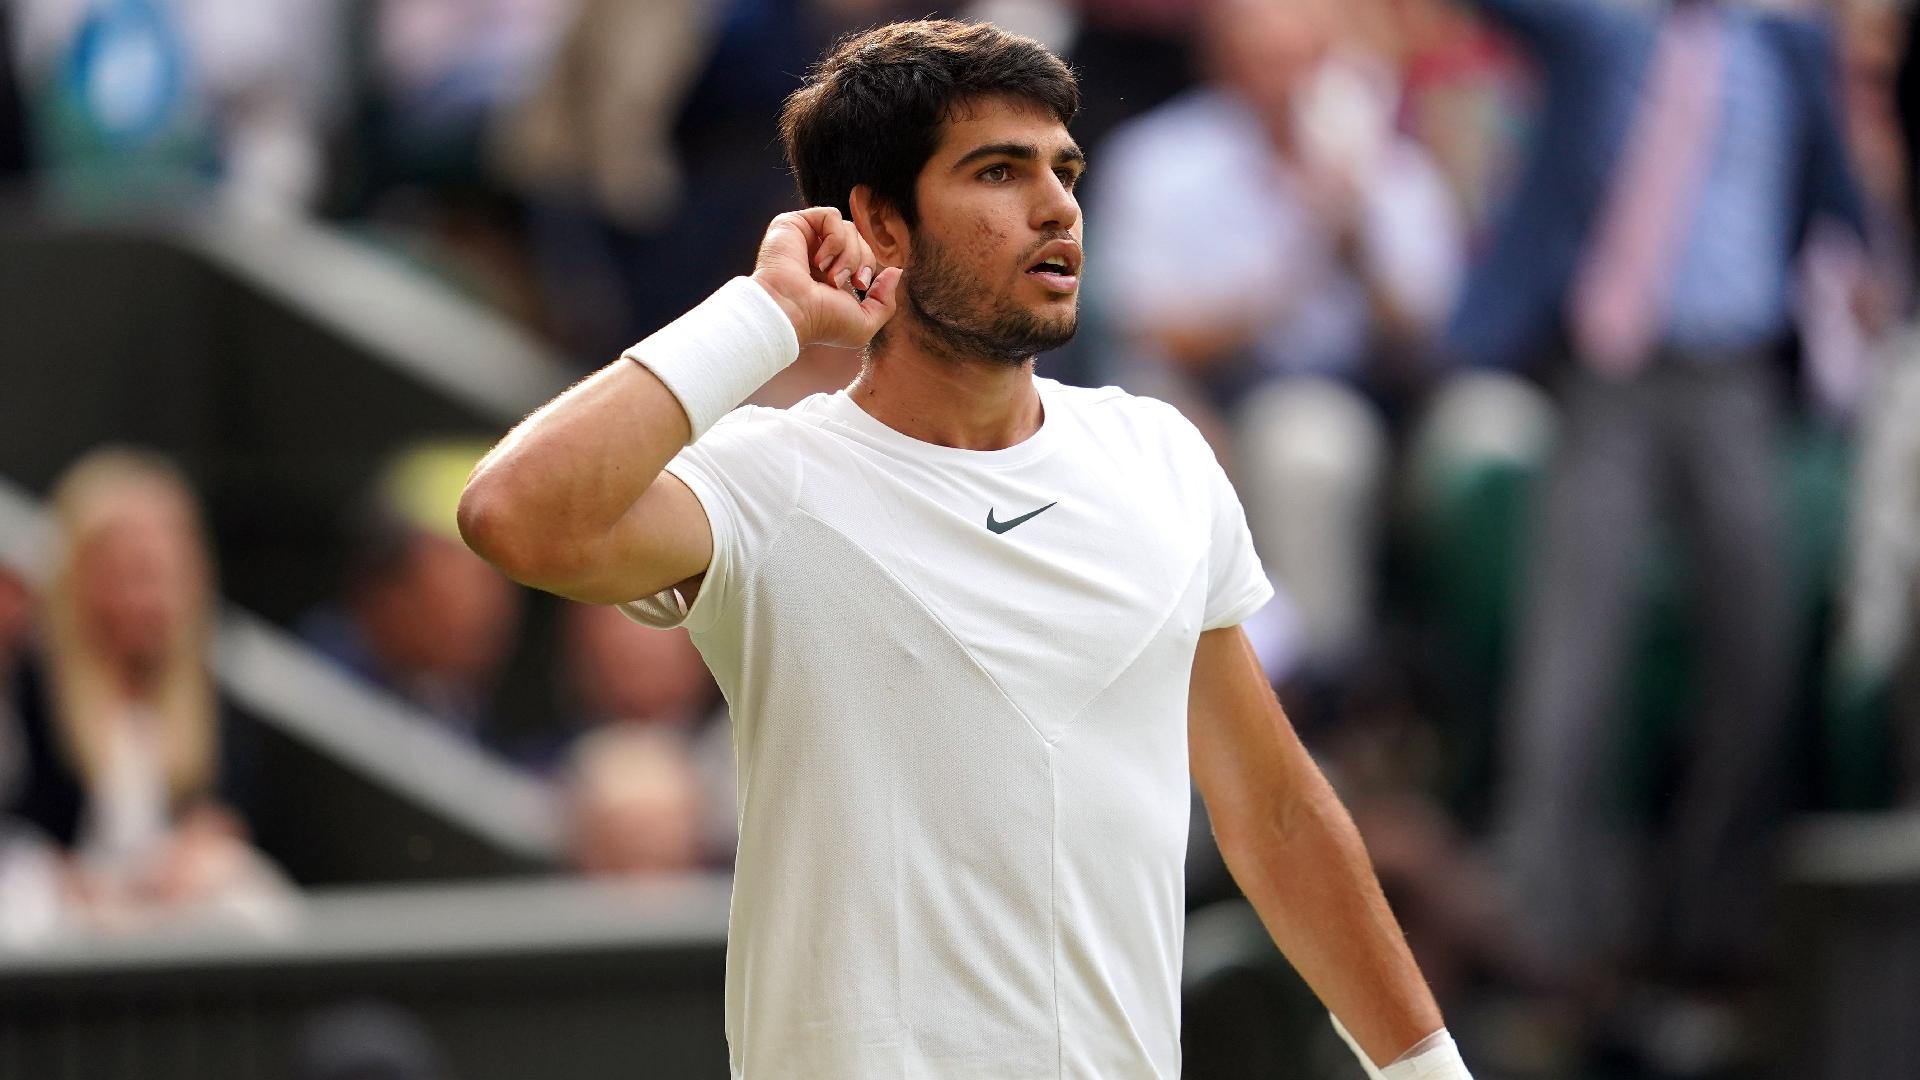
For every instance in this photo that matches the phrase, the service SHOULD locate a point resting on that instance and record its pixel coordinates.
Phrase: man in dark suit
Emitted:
(1643, 269)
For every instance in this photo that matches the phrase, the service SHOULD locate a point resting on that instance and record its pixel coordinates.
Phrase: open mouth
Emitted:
(1058, 272)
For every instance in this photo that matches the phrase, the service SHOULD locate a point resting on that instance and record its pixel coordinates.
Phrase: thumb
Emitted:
(883, 299)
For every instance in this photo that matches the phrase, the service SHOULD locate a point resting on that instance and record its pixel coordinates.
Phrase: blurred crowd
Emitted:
(1562, 351)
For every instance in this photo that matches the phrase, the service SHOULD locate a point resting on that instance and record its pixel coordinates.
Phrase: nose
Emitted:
(1056, 209)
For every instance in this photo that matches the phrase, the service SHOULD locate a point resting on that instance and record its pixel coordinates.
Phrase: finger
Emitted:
(827, 254)
(792, 235)
(817, 221)
(883, 298)
(850, 258)
(865, 265)
(821, 223)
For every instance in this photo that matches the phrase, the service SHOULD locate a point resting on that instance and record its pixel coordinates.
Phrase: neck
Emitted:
(931, 395)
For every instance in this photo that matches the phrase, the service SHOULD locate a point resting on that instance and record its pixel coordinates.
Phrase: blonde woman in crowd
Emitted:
(123, 722)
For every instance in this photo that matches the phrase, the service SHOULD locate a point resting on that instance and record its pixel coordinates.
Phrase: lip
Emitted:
(1068, 252)
(1060, 283)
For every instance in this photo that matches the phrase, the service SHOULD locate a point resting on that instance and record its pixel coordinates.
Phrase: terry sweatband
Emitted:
(723, 350)
(1432, 1058)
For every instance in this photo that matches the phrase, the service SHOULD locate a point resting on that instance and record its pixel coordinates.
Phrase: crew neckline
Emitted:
(843, 409)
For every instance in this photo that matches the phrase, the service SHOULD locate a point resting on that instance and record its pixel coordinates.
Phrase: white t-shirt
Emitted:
(1248, 238)
(959, 690)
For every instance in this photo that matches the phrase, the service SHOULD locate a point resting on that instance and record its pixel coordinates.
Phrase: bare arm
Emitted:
(1294, 851)
(574, 499)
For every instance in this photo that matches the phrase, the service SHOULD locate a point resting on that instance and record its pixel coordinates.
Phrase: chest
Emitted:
(1055, 580)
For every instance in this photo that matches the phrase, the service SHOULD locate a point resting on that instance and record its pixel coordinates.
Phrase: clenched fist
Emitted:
(811, 262)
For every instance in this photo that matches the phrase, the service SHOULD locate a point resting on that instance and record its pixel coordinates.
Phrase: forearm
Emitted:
(559, 501)
(1300, 861)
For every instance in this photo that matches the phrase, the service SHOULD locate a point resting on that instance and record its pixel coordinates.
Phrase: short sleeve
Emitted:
(1237, 584)
(744, 484)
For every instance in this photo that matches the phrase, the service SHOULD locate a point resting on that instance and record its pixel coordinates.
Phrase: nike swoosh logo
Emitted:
(1002, 526)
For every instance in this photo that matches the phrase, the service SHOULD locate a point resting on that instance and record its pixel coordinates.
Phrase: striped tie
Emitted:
(1617, 299)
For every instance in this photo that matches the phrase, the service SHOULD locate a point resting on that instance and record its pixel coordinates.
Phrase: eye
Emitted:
(997, 174)
(1069, 178)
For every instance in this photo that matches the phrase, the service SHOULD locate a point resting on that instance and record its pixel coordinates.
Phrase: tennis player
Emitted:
(977, 628)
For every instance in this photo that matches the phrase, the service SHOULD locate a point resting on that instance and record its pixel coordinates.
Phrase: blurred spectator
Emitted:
(16, 619)
(635, 802)
(1850, 293)
(422, 617)
(445, 68)
(622, 672)
(124, 740)
(591, 147)
(1879, 630)
(1270, 244)
(1131, 55)
(651, 780)
(33, 884)
(136, 101)
(1463, 99)
(612, 279)
(366, 1041)
(1906, 97)
(430, 79)
(1643, 268)
(597, 126)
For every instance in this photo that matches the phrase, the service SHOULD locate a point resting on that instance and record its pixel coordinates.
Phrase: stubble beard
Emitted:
(947, 322)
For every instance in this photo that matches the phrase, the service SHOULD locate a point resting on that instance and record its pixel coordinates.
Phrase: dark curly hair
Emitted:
(870, 111)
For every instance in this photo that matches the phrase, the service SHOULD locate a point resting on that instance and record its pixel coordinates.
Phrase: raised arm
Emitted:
(1296, 854)
(575, 500)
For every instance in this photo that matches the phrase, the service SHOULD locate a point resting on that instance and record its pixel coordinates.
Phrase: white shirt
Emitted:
(958, 682)
(1200, 218)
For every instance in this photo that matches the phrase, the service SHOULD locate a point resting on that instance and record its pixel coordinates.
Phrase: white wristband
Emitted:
(1432, 1058)
(723, 350)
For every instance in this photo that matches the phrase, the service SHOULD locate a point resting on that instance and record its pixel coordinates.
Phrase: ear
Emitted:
(881, 225)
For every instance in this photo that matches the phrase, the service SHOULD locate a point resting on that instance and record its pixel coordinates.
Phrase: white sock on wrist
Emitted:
(1432, 1058)
(721, 351)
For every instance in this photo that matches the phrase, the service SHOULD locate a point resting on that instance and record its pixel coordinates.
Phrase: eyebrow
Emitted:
(1019, 152)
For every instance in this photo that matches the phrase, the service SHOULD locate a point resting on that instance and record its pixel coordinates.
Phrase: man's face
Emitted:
(996, 199)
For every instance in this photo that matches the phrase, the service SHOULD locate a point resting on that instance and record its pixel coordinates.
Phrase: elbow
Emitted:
(493, 529)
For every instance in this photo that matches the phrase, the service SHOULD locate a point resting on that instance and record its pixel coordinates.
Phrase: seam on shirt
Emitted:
(908, 590)
(1173, 608)
(1053, 918)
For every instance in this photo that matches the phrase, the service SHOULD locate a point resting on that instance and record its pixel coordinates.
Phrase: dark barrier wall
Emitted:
(1850, 949)
(278, 366)
(514, 982)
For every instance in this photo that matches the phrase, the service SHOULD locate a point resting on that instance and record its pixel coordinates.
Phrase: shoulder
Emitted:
(750, 429)
(752, 421)
(1110, 412)
(755, 454)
